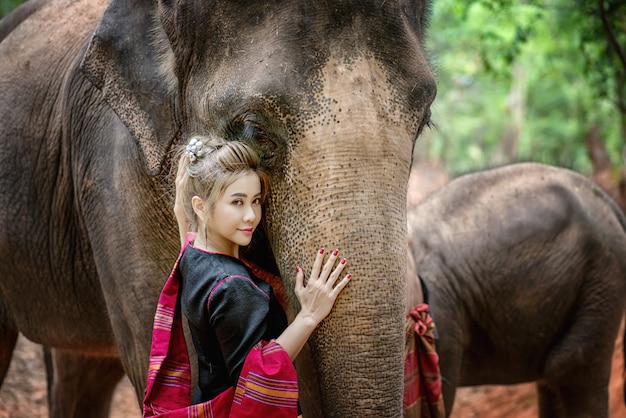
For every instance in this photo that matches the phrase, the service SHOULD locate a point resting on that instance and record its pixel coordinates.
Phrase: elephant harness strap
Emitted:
(422, 380)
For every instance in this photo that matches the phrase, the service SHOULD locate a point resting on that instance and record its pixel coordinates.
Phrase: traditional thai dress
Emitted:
(233, 318)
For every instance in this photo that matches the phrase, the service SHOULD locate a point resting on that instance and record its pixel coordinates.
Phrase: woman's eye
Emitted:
(237, 202)
(256, 201)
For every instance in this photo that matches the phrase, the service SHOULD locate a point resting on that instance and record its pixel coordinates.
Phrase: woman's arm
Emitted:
(179, 207)
(316, 299)
(237, 311)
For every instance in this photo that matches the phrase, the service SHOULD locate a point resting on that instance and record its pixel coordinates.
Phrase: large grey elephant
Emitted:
(525, 271)
(93, 98)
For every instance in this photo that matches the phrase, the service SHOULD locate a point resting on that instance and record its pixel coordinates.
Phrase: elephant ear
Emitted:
(124, 60)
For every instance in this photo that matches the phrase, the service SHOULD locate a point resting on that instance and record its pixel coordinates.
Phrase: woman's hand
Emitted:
(179, 206)
(318, 296)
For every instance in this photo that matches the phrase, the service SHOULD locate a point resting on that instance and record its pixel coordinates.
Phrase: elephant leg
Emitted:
(583, 401)
(450, 357)
(573, 401)
(8, 338)
(548, 402)
(448, 388)
(81, 386)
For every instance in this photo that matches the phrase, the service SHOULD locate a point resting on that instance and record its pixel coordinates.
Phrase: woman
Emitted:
(245, 348)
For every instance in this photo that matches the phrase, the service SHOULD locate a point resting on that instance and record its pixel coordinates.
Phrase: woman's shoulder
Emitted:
(221, 274)
(215, 264)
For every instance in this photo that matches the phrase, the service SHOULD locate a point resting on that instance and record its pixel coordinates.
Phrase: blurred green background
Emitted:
(527, 80)
(7, 5)
(523, 80)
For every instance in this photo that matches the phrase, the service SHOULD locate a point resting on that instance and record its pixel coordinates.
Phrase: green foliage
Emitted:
(525, 80)
(7, 5)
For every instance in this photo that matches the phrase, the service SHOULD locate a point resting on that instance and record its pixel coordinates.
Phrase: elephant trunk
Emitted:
(358, 349)
(347, 190)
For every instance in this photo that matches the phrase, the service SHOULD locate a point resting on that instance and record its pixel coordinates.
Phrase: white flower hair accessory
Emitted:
(194, 149)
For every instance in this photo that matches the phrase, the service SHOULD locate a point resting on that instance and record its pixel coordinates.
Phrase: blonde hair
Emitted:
(210, 172)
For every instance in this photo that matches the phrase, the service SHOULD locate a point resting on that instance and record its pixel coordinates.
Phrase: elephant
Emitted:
(94, 100)
(524, 269)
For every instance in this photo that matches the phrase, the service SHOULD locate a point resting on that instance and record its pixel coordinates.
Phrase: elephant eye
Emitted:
(258, 136)
(262, 138)
(427, 122)
(265, 143)
(250, 127)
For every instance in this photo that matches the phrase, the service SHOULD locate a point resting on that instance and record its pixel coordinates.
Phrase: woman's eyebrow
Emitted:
(238, 194)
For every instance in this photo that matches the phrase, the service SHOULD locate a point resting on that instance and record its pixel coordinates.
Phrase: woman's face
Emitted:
(235, 216)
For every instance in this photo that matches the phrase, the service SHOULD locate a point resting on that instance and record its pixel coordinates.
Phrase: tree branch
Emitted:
(611, 35)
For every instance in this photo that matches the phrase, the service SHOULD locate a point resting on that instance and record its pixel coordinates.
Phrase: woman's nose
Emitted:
(250, 214)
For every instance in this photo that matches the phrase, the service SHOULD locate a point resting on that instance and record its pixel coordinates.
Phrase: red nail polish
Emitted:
(343, 261)
(321, 251)
(297, 269)
(335, 253)
(349, 276)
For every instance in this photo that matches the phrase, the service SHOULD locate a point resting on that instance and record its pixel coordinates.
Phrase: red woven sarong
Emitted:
(422, 380)
(267, 386)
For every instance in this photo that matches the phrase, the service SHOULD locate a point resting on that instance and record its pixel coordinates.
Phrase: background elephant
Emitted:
(93, 97)
(525, 268)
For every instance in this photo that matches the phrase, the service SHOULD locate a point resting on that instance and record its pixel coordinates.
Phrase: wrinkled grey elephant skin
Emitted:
(94, 98)
(526, 271)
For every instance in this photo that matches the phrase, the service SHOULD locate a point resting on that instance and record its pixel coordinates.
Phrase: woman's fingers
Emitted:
(319, 294)
(329, 265)
(343, 283)
(331, 273)
(181, 175)
(336, 273)
(317, 265)
(331, 269)
(299, 278)
(182, 167)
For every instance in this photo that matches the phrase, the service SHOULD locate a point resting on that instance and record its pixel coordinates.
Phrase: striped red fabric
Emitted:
(422, 380)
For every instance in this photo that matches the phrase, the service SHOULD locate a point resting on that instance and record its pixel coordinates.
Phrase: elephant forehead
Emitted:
(361, 55)
(359, 94)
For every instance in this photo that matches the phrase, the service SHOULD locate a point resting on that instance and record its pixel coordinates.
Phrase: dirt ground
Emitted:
(23, 394)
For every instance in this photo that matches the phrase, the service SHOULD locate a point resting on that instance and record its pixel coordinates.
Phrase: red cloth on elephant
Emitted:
(267, 385)
(422, 379)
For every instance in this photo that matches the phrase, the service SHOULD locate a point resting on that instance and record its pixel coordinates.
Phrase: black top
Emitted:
(229, 310)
